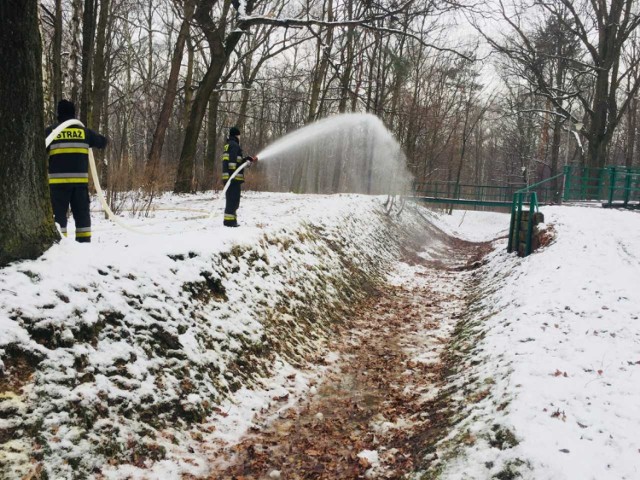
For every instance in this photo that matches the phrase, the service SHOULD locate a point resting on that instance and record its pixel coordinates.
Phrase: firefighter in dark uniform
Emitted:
(69, 172)
(231, 160)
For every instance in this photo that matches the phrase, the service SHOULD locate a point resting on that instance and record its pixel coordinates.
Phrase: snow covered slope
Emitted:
(125, 357)
(117, 351)
(549, 383)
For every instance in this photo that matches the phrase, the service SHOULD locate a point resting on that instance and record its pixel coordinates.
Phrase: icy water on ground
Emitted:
(348, 153)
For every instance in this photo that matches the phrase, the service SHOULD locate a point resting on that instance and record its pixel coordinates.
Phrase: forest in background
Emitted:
(483, 93)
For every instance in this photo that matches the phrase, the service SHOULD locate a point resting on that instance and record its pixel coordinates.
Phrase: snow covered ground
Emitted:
(126, 347)
(551, 386)
(139, 347)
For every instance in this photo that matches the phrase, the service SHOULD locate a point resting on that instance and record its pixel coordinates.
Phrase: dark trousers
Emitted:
(233, 202)
(77, 197)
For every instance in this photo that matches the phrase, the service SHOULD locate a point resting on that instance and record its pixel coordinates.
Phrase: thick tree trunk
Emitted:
(26, 221)
(346, 77)
(184, 180)
(322, 65)
(169, 98)
(188, 82)
(99, 66)
(349, 57)
(598, 129)
(247, 80)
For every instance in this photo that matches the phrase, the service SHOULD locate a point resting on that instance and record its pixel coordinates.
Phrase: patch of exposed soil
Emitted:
(379, 412)
(17, 371)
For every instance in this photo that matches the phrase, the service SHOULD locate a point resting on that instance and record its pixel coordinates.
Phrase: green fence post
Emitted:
(612, 184)
(518, 221)
(513, 223)
(627, 187)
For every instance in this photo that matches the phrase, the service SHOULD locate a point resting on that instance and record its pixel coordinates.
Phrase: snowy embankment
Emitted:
(133, 351)
(131, 356)
(547, 381)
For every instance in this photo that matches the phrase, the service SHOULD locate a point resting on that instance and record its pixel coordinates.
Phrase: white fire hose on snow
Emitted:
(226, 186)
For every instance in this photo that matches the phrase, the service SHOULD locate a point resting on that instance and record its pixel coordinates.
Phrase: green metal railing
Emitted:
(614, 185)
(452, 192)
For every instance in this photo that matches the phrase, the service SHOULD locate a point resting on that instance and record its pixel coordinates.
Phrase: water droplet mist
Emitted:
(348, 153)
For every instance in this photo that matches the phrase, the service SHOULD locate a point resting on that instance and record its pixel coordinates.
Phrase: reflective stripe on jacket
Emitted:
(69, 154)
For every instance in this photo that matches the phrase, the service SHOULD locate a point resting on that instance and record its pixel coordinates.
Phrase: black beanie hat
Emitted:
(234, 131)
(66, 110)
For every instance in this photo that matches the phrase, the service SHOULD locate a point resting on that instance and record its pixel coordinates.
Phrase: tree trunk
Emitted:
(88, 35)
(188, 83)
(212, 143)
(597, 132)
(57, 55)
(372, 64)
(26, 220)
(169, 98)
(247, 81)
(98, 94)
(322, 65)
(184, 180)
(555, 156)
(100, 65)
(221, 48)
(632, 127)
(75, 49)
(345, 78)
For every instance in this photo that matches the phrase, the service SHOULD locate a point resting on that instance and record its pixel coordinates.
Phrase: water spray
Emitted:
(345, 153)
(382, 160)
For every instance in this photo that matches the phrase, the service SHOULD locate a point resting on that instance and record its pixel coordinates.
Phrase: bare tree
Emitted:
(171, 92)
(603, 30)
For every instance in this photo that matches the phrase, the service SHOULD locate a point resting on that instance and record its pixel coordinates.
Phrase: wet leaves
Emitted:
(374, 401)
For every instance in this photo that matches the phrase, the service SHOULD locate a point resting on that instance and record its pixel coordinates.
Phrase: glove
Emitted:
(250, 159)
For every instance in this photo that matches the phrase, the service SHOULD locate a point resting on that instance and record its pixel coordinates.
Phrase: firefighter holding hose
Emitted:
(69, 171)
(232, 159)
